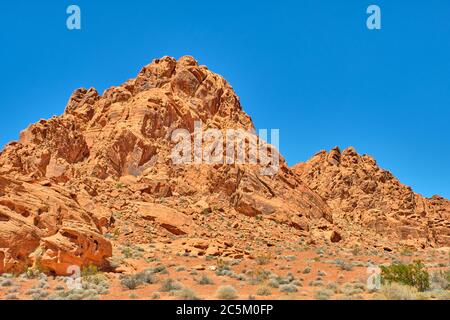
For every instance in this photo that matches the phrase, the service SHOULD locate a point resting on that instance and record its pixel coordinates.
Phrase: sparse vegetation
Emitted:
(344, 265)
(205, 280)
(307, 270)
(288, 288)
(263, 291)
(187, 294)
(398, 291)
(169, 285)
(413, 274)
(226, 293)
(323, 294)
(440, 280)
(133, 281)
(263, 259)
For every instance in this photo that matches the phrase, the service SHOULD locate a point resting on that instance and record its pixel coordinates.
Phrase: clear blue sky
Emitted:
(310, 68)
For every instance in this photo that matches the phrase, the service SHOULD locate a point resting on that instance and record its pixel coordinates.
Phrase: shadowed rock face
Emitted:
(368, 198)
(104, 167)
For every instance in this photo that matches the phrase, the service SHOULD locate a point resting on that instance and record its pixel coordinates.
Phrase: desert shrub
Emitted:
(273, 282)
(187, 294)
(135, 280)
(332, 286)
(59, 288)
(169, 285)
(307, 270)
(43, 284)
(413, 274)
(240, 277)
(321, 273)
(323, 294)
(316, 283)
(120, 185)
(223, 269)
(39, 295)
(158, 269)
(440, 280)
(156, 296)
(205, 280)
(290, 258)
(356, 250)
(350, 289)
(226, 293)
(6, 283)
(288, 288)
(407, 252)
(263, 291)
(89, 270)
(130, 281)
(147, 277)
(258, 276)
(344, 265)
(398, 291)
(262, 260)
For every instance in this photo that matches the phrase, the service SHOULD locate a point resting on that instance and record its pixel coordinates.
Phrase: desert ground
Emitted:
(295, 272)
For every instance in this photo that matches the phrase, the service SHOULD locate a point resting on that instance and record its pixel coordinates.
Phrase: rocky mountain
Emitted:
(76, 187)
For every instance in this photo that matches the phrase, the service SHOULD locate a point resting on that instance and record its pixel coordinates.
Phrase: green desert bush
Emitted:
(414, 275)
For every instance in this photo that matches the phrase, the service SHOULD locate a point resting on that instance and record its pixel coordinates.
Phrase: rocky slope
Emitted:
(76, 187)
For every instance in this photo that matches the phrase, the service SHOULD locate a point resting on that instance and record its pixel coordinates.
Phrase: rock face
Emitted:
(66, 177)
(75, 187)
(369, 202)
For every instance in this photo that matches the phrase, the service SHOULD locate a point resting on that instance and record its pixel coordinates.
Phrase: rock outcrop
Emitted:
(370, 204)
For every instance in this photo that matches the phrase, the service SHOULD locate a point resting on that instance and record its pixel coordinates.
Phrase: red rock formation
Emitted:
(113, 153)
(365, 198)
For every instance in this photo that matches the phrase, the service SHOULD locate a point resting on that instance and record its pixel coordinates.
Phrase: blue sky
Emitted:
(310, 68)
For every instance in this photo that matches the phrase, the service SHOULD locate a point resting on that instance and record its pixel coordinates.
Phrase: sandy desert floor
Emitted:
(300, 273)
